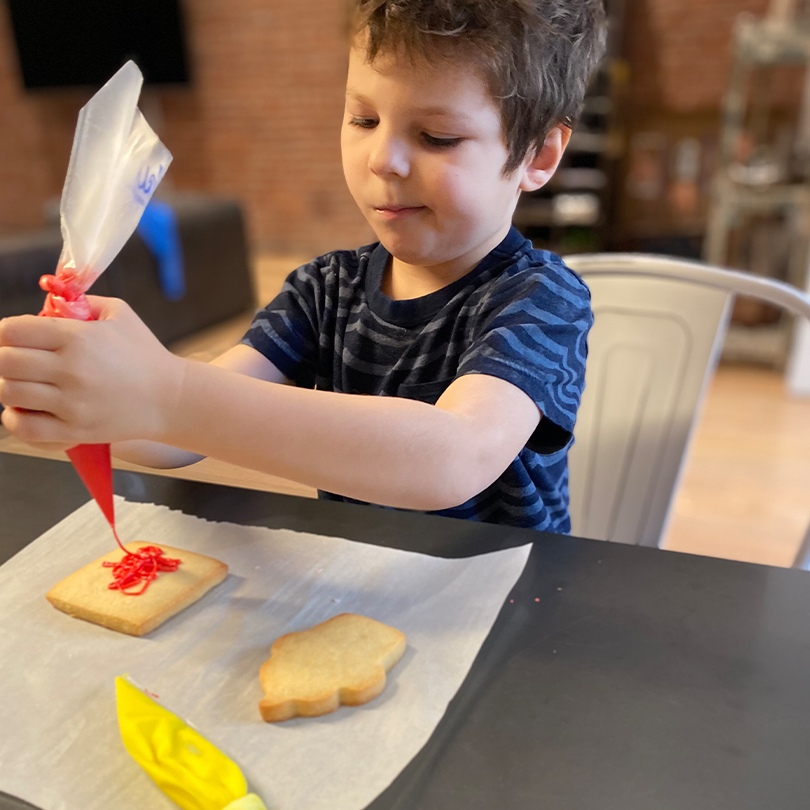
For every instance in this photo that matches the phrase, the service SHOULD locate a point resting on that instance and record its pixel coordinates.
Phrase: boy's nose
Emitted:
(389, 155)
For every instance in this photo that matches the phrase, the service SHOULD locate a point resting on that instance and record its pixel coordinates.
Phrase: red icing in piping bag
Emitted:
(92, 461)
(65, 298)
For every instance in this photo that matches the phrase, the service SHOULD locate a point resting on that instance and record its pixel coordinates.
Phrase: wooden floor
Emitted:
(746, 490)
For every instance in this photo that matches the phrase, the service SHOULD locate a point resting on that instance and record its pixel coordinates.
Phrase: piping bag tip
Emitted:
(93, 463)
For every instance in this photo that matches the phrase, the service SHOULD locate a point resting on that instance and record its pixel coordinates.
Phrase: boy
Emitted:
(438, 370)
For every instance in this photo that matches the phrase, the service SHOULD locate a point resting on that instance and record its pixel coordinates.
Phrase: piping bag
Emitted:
(115, 166)
(184, 765)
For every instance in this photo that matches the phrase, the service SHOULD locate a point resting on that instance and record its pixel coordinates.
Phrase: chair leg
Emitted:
(803, 556)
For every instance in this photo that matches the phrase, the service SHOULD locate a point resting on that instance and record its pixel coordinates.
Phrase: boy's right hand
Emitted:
(69, 382)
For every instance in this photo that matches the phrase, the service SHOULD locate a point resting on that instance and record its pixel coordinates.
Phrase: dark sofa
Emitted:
(217, 272)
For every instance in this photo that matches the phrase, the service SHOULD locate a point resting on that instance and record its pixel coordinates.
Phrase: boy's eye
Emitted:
(430, 140)
(441, 142)
(365, 123)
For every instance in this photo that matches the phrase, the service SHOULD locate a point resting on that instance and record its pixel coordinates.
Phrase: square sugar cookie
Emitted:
(85, 594)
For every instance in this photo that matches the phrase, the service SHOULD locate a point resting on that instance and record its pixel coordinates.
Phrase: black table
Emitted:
(619, 678)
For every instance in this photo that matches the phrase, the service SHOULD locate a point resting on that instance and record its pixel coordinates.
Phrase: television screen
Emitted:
(67, 43)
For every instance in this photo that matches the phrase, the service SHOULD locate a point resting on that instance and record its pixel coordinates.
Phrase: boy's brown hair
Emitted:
(536, 55)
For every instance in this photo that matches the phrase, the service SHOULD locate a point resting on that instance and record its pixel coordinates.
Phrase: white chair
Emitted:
(658, 332)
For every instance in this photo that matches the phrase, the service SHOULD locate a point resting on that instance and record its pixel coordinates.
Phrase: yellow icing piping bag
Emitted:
(183, 764)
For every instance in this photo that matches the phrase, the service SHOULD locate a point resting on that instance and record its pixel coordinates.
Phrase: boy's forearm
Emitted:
(387, 450)
(153, 454)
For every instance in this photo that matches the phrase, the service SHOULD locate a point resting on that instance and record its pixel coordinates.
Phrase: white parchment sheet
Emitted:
(60, 747)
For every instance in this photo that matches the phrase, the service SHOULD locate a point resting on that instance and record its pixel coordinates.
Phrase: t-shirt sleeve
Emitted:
(533, 334)
(287, 330)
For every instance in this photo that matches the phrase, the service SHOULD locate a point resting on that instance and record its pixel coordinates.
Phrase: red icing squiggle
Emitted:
(138, 568)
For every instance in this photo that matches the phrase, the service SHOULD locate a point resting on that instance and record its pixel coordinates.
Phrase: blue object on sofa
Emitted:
(159, 231)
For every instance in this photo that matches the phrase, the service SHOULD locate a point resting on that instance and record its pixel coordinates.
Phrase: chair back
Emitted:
(659, 327)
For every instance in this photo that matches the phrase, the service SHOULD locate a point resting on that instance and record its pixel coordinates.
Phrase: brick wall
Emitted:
(261, 119)
(260, 122)
(680, 56)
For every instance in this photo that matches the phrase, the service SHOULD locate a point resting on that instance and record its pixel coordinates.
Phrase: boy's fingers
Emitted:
(104, 308)
(29, 395)
(32, 396)
(34, 427)
(33, 332)
(28, 364)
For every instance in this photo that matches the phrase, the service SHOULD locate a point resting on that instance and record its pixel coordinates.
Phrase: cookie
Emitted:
(85, 594)
(341, 661)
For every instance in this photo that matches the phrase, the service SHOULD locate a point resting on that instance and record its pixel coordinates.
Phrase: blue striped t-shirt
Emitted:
(520, 315)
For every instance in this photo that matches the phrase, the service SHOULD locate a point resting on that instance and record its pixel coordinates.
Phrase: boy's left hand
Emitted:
(67, 382)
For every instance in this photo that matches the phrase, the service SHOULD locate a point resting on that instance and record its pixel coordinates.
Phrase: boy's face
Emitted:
(423, 152)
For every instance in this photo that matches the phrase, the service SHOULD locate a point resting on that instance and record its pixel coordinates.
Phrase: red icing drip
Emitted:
(138, 568)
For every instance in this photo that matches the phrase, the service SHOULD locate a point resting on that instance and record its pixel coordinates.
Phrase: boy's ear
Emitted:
(538, 170)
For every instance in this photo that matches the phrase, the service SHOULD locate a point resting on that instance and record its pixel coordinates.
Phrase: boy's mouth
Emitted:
(398, 211)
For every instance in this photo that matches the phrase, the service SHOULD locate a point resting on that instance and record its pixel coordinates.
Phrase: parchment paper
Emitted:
(60, 747)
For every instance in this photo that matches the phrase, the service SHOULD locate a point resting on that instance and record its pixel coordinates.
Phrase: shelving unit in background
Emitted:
(759, 219)
(572, 213)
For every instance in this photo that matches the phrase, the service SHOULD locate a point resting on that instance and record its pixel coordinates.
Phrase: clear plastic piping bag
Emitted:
(115, 166)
